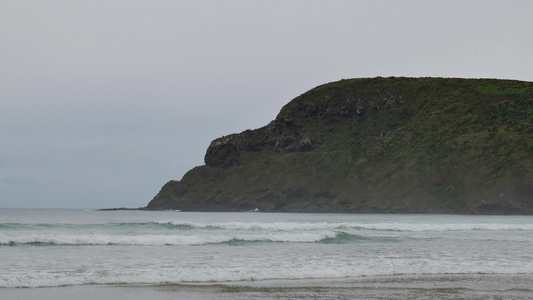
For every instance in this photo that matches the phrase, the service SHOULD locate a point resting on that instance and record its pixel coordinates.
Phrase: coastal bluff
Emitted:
(375, 145)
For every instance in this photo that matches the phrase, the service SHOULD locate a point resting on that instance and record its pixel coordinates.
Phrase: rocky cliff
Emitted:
(380, 145)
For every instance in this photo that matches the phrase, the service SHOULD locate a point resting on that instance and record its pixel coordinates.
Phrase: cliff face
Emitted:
(413, 145)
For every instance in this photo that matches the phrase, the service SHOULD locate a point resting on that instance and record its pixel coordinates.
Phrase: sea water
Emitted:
(63, 250)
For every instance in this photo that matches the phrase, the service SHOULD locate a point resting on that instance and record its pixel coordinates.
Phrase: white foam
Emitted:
(287, 271)
(392, 226)
(164, 239)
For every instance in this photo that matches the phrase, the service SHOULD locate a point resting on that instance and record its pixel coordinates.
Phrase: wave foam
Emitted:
(283, 226)
(288, 226)
(169, 240)
(204, 275)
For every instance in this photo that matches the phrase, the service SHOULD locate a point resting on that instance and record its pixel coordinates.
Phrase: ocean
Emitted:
(89, 254)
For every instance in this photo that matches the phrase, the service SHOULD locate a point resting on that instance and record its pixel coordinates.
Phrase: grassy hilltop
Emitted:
(387, 145)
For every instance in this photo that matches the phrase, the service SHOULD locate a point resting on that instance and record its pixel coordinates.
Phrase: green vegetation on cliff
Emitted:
(414, 145)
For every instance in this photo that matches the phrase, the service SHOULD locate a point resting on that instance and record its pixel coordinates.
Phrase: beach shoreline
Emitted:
(463, 286)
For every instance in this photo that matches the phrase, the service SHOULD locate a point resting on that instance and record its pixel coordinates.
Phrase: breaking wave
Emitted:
(176, 233)
(282, 226)
(328, 237)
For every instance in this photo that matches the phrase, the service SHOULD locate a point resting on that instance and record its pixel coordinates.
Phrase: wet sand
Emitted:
(385, 287)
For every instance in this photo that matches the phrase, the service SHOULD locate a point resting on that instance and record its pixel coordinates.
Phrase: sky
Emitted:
(104, 101)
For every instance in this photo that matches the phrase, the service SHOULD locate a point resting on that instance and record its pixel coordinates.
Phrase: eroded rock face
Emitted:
(222, 153)
(277, 137)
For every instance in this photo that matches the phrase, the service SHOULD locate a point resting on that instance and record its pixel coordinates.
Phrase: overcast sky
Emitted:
(103, 102)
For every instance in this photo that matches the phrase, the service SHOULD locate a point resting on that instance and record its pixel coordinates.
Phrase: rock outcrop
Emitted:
(380, 145)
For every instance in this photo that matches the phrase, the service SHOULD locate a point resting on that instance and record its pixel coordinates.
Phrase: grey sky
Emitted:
(102, 102)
